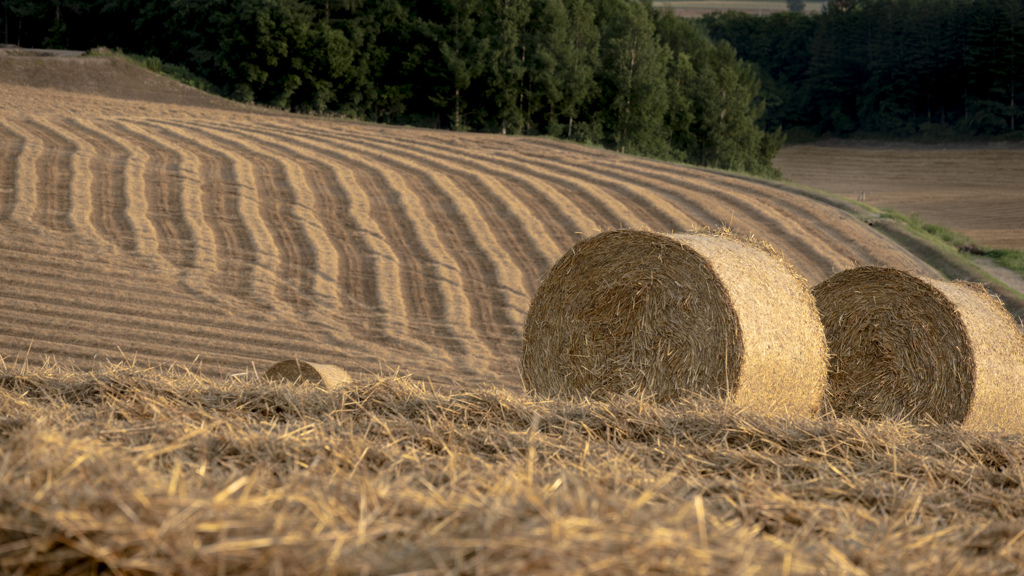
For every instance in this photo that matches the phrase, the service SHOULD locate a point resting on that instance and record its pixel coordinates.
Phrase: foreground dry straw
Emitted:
(674, 315)
(163, 471)
(921, 348)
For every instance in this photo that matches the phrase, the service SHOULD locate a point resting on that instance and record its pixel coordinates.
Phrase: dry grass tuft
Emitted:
(297, 371)
(165, 471)
(923, 349)
(632, 312)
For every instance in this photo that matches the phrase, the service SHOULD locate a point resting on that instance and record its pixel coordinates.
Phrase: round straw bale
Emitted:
(673, 315)
(295, 370)
(903, 346)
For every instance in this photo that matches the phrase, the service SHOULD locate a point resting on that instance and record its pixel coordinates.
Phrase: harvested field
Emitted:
(195, 231)
(975, 190)
(130, 471)
(204, 242)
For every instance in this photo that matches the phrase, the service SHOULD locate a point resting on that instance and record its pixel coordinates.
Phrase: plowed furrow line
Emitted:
(145, 239)
(585, 214)
(229, 211)
(650, 210)
(162, 181)
(31, 349)
(52, 177)
(520, 228)
(125, 327)
(618, 204)
(409, 289)
(282, 268)
(525, 204)
(25, 181)
(36, 330)
(81, 205)
(28, 348)
(490, 240)
(451, 227)
(430, 273)
(137, 294)
(765, 220)
(846, 234)
(108, 189)
(819, 239)
(204, 260)
(337, 208)
(614, 165)
(698, 216)
(833, 227)
(11, 148)
(308, 260)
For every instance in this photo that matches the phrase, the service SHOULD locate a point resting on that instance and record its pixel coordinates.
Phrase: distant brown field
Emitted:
(172, 226)
(974, 190)
(697, 8)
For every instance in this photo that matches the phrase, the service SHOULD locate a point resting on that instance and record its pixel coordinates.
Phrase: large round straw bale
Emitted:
(904, 346)
(666, 316)
(294, 370)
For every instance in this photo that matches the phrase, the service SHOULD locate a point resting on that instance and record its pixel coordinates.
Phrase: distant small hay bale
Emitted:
(904, 346)
(294, 370)
(668, 316)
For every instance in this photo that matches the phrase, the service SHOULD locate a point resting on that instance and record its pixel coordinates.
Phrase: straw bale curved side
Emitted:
(294, 370)
(904, 346)
(664, 315)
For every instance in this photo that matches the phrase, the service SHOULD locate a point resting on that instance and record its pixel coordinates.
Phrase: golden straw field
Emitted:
(161, 248)
(194, 233)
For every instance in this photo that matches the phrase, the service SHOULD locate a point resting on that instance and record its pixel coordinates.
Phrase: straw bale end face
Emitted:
(633, 312)
(904, 346)
(294, 370)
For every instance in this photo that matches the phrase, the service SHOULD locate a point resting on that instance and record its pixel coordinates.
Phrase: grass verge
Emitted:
(133, 471)
(1007, 258)
(173, 71)
(949, 252)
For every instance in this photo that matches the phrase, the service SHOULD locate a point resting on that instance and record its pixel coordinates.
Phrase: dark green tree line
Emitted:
(896, 67)
(611, 72)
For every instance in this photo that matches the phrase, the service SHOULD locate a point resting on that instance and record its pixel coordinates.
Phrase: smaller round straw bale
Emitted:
(904, 346)
(294, 370)
(671, 315)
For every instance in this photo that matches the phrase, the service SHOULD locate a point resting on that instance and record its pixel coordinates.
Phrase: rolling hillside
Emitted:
(146, 220)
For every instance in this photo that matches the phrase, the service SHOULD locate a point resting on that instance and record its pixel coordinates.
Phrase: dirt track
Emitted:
(172, 232)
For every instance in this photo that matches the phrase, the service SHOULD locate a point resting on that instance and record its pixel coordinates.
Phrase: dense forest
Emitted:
(612, 72)
(933, 68)
(717, 91)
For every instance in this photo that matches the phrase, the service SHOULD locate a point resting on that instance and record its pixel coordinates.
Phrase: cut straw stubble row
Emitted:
(658, 315)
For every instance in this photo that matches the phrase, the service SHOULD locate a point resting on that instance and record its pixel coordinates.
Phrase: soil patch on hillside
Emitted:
(102, 75)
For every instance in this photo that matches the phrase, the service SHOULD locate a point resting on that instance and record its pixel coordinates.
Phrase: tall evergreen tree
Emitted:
(719, 96)
(386, 51)
(458, 57)
(634, 76)
(547, 41)
(504, 24)
(579, 66)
